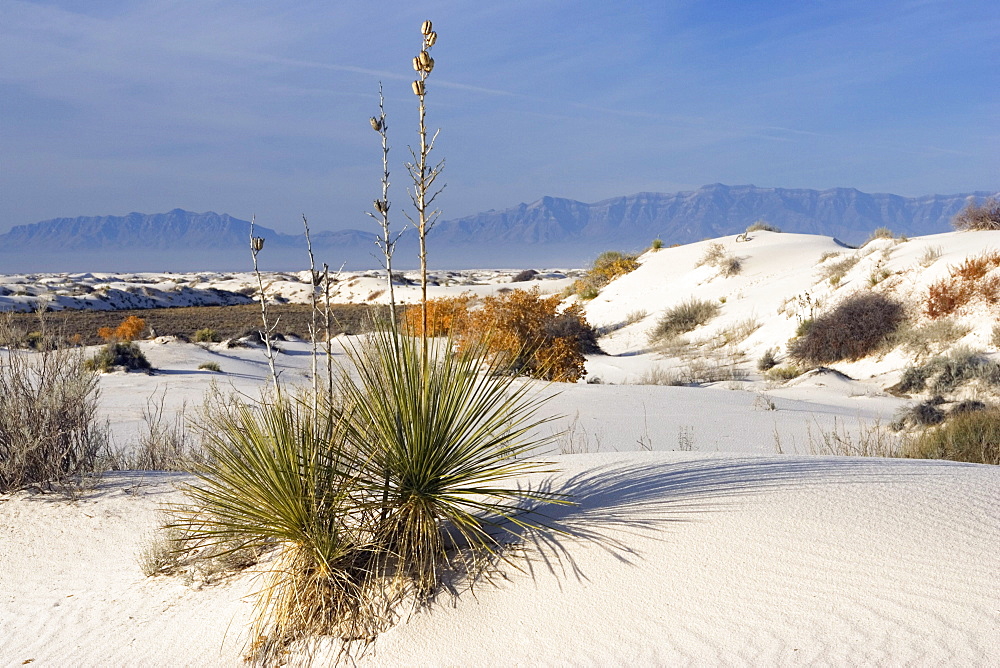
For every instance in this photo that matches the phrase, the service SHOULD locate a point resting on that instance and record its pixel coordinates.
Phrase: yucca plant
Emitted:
(278, 479)
(446, 434)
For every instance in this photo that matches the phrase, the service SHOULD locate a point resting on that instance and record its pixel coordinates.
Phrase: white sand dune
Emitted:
(693, 542)
(669, 558)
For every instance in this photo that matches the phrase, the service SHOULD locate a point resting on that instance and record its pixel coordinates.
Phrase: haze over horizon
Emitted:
(149, 106)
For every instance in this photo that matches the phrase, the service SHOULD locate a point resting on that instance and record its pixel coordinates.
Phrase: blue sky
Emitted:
(110, 106)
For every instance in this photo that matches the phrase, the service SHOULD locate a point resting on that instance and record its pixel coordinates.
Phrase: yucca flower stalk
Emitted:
(422, 173)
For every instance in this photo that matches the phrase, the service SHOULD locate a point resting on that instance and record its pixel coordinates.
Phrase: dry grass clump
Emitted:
(164, 444)
(985, 216)
(930, 256)
(716, 256)
(762, 226)
(835, 271)
(966, 282)
(969, 436)
(856, 328)
(880, 233)
(49, 432)
(785, 372)
(529, 335)
(683, 318)
(207, 335)
(929, 338)
(947, 373)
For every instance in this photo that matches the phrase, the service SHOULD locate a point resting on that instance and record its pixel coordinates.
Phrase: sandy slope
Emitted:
(668, 558)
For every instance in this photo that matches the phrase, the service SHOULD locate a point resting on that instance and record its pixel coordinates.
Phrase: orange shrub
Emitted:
(129, 330)
(445, 315)
(966, 282)
(531, 336)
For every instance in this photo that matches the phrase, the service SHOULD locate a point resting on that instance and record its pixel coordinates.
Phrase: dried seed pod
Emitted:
(427, 28)
(256, 244)
(376, 124)
(424, 59)
(416, 64)
(418, 88)
(429, 65)
(430, 39)
(381, 206)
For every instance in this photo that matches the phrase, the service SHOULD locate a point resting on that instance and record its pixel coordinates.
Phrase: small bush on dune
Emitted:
(946, 373)
(856, 328)
(118, 354)
(608, 266)
(683, 318)
(966, 282)
(762, 226)
(880, 233)
(529, 335)
(49, 433)
(210, 366)
(768, 360)
(966, 437)
(523, 276)
(985, 216)
(206, 335)
(656, 245)
(445, 316)
(716, 256)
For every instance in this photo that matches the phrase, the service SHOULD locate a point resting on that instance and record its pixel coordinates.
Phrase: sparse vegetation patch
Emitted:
(856, 328)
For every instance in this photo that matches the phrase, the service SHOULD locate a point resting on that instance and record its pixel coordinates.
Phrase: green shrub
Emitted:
(966, 437)
(768, 360)
(210, 366)
(856, 328)
(120, 354)
(206, 335)
(784, 372)
(608, 266)
(657, 244)
(683, 318)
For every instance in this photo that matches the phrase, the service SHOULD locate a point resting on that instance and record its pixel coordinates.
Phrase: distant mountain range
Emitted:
(549, 232)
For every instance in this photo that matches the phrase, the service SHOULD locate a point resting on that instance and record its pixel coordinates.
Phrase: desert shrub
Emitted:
(656, 245)
(946, 373)
(856, 328)
(784, 372)
(49, 432)
(712, 256)
(985, 216)
(768, 360)
(762, 226)
(836, 270)
(966, 282)
(128, 330)
(523, 276)
(529, 335)
(608, 266)
(716, 256)
(210, 366)
(118, 354)
(995, 336)
(206, 335)
(966, 437)
(880, 233)
(683, 318)
(930, 337)
(445, 315)
(967, 406)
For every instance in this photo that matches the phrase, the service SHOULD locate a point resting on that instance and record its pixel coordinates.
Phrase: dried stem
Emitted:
(256, 245)
(387, 242)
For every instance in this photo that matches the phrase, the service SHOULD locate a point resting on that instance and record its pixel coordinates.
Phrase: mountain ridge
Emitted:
(567, 232)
